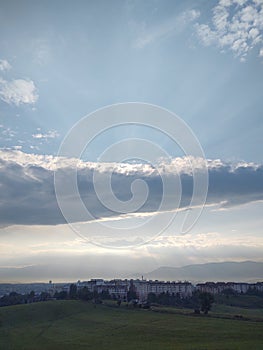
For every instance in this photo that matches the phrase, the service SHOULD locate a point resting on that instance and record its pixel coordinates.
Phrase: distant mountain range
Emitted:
(246, 271)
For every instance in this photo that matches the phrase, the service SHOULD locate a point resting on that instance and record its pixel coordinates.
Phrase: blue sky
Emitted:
(60, 61)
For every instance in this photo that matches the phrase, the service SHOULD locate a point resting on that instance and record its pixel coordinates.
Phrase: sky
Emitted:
(153, 109)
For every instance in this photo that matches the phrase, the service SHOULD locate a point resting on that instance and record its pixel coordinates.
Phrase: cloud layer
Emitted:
(28, 196)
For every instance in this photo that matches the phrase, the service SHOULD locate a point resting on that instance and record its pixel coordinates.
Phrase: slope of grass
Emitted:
(241, 300)
(78, 325)
(220, 309)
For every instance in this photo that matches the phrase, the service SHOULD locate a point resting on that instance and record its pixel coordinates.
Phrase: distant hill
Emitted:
(247, 271)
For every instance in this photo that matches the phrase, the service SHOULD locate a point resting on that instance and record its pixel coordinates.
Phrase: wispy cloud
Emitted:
(18, 91)
(41, 51)
(176, 24)
(236, 25)
(17, 147)
(7, 133)
(51, 134)
(4, 65)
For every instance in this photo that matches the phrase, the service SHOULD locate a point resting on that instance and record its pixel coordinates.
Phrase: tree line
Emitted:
(198, 301)
(15, 298)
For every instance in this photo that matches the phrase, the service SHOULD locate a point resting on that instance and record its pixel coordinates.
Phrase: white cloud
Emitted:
(18, 91)
(236, 25)
(51, 134)
(189, 16)
(4, 65)
(172, 26)
(8, 132)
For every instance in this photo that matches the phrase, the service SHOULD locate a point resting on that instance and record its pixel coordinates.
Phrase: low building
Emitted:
(117, 288)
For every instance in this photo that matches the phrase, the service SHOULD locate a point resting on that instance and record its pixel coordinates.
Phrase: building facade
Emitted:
(237, 287)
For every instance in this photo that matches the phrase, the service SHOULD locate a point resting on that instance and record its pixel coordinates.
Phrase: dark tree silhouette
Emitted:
(73, 291)
(206, 301)
(131, 292)
(85, 294)
(44, 296)
(61, 295)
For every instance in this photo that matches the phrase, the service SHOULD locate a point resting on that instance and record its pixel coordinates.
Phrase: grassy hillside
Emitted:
(78, 325)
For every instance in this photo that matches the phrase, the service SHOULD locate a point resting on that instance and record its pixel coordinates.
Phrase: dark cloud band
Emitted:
(28, 196)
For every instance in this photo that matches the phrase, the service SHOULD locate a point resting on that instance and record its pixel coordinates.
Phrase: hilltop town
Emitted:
(141, 288)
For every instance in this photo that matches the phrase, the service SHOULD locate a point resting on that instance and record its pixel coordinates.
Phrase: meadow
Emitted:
(82, 325)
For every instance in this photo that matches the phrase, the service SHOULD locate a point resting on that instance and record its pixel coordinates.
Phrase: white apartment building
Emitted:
(119, 288)
(143, 288)
(219, 287)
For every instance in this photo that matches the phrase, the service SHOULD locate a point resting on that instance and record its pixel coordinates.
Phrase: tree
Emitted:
(229, 292)
(61, 295)
(105, 294)
(44, 296)
(163, 298)
(73, 291)
(206, 301)
(12, 299)
(254, 291)
(31, 296)
(85, 294)
(151, 298)
(131, 292)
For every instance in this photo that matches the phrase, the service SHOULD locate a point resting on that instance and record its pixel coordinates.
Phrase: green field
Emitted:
(79, 325)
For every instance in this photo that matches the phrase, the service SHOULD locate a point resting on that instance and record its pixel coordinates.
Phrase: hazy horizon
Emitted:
(167, 273)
